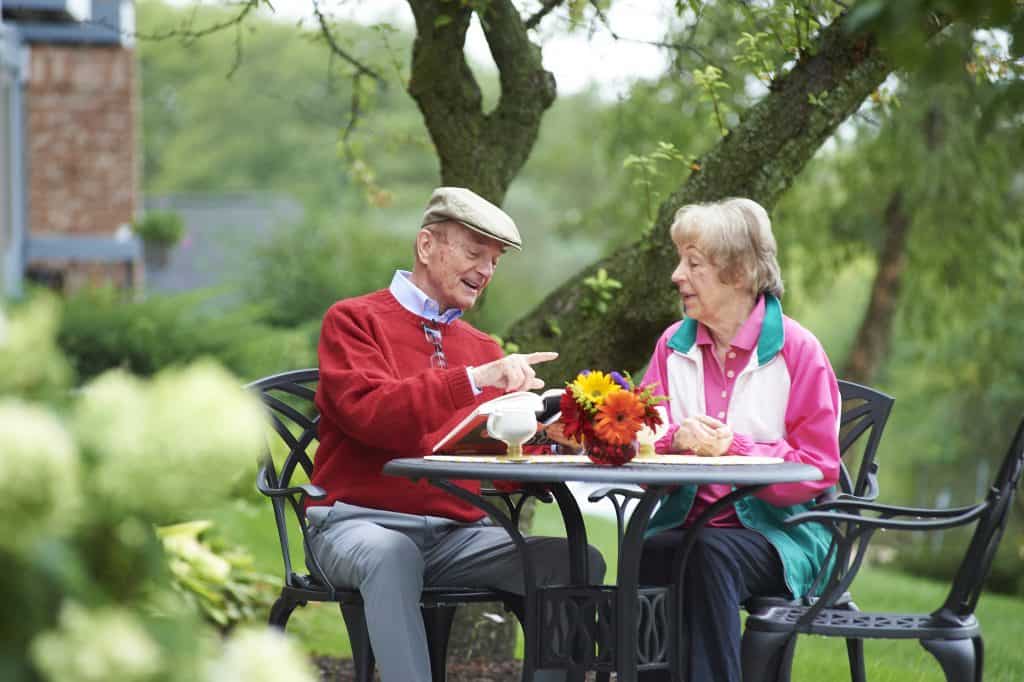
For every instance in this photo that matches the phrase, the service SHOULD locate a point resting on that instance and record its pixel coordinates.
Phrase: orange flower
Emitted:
(619, 418)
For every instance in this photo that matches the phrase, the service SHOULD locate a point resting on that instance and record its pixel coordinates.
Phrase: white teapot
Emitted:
(514, 427)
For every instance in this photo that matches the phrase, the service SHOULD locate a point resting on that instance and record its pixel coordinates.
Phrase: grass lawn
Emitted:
(319, 626)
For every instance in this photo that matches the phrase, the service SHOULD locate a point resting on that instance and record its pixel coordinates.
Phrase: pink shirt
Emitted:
(718, 386)
(811, 411)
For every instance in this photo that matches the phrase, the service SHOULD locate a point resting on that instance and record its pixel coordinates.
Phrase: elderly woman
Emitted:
(742, 379)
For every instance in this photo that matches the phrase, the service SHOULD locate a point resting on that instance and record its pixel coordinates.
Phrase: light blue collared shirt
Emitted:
(418, 303)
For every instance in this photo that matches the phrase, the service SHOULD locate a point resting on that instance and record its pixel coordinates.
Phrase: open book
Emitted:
(470, 434)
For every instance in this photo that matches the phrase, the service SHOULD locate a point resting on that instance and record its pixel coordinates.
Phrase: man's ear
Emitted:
(426, 242)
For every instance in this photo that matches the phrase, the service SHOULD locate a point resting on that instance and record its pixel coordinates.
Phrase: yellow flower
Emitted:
(595, 387)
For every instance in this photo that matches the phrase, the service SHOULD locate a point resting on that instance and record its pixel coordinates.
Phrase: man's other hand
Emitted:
(512, 372)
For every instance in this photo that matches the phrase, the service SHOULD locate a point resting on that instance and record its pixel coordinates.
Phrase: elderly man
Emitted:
(398, 368)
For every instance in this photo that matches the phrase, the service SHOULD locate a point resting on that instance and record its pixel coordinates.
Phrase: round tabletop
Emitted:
(634, 473)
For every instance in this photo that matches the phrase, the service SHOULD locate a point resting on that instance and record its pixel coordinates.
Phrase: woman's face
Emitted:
(701, 290)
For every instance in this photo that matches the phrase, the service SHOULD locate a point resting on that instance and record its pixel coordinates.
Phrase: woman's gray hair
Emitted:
(736, 234)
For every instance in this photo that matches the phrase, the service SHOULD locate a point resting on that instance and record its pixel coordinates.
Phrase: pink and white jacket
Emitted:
(785, 403)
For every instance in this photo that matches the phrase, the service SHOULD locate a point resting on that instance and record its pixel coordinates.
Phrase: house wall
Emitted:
(82, 166)
(81, 110)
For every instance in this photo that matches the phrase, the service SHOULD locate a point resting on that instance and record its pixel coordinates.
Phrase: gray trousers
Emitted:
(389, 557)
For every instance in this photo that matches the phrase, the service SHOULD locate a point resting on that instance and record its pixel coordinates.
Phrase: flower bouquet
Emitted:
(605, 412)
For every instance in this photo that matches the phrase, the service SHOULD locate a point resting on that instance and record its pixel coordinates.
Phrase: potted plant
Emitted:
(160, 232)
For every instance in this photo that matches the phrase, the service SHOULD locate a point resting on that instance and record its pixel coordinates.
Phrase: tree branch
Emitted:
(186, 32)
(332, 43)
(758, 159)
(681, 46)
(546, 8)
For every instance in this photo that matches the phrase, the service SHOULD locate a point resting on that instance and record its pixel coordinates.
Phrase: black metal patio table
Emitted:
(618, 628)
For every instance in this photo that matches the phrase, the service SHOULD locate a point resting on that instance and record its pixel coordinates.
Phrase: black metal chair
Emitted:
(951, 633)
(289, 399)
(864, 412)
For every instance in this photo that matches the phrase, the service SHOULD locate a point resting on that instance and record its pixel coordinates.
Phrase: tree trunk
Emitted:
(872, 342)
(874, 336)
(478, 150)
(758, 159)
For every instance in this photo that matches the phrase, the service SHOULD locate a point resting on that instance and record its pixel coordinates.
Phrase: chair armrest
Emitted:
(309, 490)
(851, 502)
(941, 522)
(871, 494)
(610, 491)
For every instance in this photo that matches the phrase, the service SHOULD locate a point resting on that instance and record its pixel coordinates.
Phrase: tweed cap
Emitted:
(473, 211)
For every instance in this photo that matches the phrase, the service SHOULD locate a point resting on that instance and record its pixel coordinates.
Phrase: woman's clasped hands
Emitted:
(703, 435)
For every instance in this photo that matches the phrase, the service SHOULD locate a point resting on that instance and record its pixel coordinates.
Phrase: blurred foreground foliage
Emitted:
(217, 579)
(87, 593)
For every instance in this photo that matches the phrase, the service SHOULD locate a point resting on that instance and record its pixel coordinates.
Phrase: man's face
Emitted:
(458, 263)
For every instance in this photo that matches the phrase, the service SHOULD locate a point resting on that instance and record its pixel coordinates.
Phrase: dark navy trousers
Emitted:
(726, 567)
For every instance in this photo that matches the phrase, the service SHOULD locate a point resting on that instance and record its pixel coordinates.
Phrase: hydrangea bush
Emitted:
(39, 475)
(178, 441)
(85, 474)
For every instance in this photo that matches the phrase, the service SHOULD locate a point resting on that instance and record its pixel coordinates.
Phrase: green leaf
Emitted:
(442, 20)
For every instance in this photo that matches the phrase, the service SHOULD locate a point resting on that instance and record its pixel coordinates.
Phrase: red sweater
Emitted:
(379, 399)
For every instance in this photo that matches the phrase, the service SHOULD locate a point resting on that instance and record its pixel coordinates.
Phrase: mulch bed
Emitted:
(474, 670)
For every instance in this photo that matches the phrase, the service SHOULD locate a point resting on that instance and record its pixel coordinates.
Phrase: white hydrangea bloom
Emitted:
(96, 646)
(169, 447)
(261, 655)
(31, 363)
(39, 474)
(110, 420)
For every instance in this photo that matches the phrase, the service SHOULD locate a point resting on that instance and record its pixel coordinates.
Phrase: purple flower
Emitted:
(621, 381)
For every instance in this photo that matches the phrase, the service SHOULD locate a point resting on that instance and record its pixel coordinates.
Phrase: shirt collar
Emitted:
(770, 337)
(746, 337)
(418, 303)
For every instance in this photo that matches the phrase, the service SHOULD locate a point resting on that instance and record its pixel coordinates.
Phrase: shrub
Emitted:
(100, 331)
(923, 560)
(218, 580)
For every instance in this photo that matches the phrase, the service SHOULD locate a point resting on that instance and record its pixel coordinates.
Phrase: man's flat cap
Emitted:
(473, 211)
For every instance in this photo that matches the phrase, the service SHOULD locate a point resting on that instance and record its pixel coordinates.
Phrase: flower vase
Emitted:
(608, 454)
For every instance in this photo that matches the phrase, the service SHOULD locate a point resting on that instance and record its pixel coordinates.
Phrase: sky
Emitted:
(576, 59)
